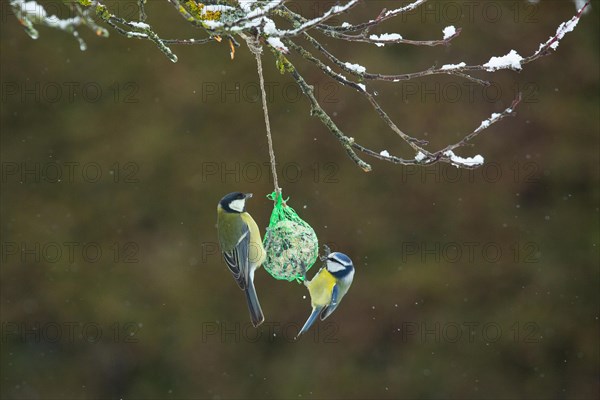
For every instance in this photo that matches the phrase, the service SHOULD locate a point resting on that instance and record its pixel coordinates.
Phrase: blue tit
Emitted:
(241, 245)
(328, 287)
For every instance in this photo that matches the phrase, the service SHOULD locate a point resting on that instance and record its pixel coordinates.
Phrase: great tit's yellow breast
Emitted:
(321, 287)
(231, 228)
(257, 253)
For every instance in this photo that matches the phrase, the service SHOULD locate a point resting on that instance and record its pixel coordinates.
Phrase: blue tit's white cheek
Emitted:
(238, 205)
(333, 266)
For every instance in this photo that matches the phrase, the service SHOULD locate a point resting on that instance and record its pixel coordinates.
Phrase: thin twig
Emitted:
(414, 143)
(317, 111)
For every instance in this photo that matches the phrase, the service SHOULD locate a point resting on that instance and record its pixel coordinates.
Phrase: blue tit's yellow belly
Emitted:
(320, 288)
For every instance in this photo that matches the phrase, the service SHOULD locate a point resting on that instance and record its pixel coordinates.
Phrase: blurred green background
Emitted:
(479, 284)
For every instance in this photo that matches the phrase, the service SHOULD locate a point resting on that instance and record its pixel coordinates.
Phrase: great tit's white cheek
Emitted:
(238, 205)
(332, 266)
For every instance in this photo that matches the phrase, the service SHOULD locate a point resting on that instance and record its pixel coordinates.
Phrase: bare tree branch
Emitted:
(254, 19)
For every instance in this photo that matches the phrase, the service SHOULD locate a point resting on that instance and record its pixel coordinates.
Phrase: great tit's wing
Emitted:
(328, 310)
(237, 259)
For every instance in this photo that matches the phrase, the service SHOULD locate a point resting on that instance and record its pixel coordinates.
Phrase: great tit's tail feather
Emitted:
(310, 321)
(256, 315)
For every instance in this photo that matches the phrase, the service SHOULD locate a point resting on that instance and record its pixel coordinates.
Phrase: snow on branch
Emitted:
(253, 21)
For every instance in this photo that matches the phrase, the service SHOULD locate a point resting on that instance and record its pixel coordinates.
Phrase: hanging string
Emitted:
(291, 244)
(256, 49)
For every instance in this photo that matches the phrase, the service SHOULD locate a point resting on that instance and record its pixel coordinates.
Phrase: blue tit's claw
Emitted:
(327, 252)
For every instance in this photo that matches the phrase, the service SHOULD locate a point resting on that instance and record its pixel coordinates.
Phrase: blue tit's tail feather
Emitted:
(256, 314)
(310, 321)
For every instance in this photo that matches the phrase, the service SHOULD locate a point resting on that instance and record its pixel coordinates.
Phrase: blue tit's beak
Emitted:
(248, 195)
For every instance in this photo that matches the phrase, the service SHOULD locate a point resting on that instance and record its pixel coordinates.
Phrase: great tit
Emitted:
(241, 245)
(328, 287)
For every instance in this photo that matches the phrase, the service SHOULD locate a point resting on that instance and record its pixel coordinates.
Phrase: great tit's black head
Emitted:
(339, 264)
(235, 202)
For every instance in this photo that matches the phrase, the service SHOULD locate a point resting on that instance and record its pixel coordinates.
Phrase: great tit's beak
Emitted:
(248, 195)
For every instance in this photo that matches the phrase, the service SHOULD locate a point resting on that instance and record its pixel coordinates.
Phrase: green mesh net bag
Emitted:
(291, 244)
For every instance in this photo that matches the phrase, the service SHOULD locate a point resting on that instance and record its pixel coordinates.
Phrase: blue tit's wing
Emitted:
(310, 321)
(328, 310)
(237, 259)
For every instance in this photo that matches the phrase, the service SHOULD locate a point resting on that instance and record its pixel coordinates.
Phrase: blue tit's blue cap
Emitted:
(340, 258)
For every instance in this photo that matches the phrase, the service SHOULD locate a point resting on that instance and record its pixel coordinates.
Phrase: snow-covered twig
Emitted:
(30, 13)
